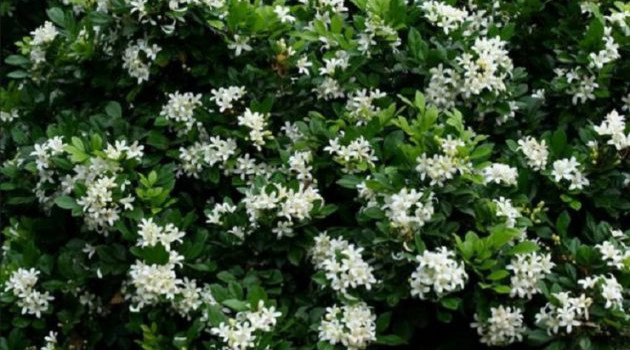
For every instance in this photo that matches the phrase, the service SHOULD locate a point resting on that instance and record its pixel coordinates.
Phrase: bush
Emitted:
(209, 174)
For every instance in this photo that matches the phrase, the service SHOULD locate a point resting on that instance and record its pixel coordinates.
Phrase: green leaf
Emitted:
(558, 142)
(113, 109)
(523, 248)
(56, 15)
(236, 305)
(16, 60)
(390, 340)
(498, 275)
(66, 202)
(451, 303)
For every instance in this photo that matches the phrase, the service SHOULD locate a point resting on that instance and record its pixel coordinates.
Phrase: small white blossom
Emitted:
(504, 326)
(437, 271)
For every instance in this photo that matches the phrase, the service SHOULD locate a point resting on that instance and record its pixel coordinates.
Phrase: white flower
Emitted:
(612, 291)
(535, 152)
(153, 282)
(444, 86)
(299, 162)
(504, 326)
(353, 326)
(239, 332)
(507, 210)
(437, 271)
(613, 256)
(567, 169)
(257, 124)
(487, 69)
(328, 89)
(22, 284)
(408, 209)
(152, 234)
(614, 126)
(44, 34)
(225, 97)
(342, 262)
(207, 154)
(181, 108)
(447, 17)
(7, 117)
(51, 341)
(529, 270)
(137, 59)
(500, 174)
(189, 298)
(240, 44)
(303, 65)
(120, 149)
(361, 107)
(571, 312)
(584, 90)
(283, 14)
(357, 156)
(608, 54)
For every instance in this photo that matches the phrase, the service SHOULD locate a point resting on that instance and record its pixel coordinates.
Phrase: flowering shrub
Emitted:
(315, 174)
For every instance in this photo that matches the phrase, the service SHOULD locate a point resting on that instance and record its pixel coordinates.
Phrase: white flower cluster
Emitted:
(611, 290)
(151, 234)
(239, 333)
(121, 149)
(608, 54)
(99, 205)
(51, 341)
(535, 152)
(529, 270)
(353, 326)
(224, 98)
(376, 28)
(181, 108)
(437, 271)
(442, 167)
(328, 89)
(443, 87)
(22, 285)
(503, 327)
(42, 36)
(447, 17)
(215, 215)
(43, 152)
(361, 107)
(501, 174)
(582, 86)
(138, 57)
(357, 156)
(257, 124)
(407, 210)
(300, 163)
(567, 169)
(288, 205)
(7, 117)
(614, 126)
(152, 282)
(487, 69)
(612, 255)
(189, 298)
(571, 312)
(205, 154)
(507, 210)
(342, 262)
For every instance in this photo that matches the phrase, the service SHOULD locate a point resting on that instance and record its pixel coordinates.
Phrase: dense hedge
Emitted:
(319, 174)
